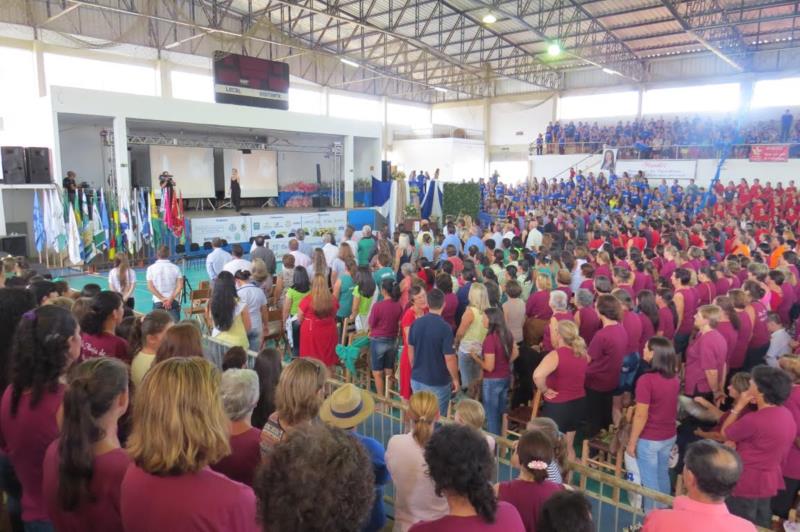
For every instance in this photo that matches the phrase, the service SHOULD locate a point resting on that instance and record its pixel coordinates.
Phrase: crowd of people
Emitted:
(670, 326)
(657, 136)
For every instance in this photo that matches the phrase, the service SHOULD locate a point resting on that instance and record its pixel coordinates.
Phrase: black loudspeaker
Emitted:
(319, 175)
(321, 201)
(16, 245)
(386, 170)
(38, 165)
(13, 158)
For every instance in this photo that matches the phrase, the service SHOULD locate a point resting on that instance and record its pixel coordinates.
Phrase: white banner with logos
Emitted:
(657, 169)
(241, 228)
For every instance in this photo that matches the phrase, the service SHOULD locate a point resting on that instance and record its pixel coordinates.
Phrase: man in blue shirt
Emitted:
(475, 239)
(216, 260)
(434, 366)
(451, 239)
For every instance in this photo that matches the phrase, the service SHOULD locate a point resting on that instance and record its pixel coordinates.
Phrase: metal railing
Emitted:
(678, 151)
(438, 132)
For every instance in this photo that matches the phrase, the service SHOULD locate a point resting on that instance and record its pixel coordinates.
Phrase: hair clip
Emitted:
(537, 465)
(30, 315)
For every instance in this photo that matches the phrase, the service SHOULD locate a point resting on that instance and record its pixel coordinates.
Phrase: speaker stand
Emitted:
(201, 204)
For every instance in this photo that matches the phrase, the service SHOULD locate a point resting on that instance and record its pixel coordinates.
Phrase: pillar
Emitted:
(164, 88)
(122, 174)
(487, 135)
(348, 161)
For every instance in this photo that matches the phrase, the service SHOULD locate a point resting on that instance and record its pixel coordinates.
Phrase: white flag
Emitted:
(74, 243)
(59, 237)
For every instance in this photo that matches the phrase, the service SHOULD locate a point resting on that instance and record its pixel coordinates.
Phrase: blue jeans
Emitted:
(442, 394)
(495, 400)
(38, 526)
(468, 370)
(254, 338)
(175, 309)
(383, 352)
(653, 459)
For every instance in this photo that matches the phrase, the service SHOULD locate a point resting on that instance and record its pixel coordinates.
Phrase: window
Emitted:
(598, 105)
(192, 86)
(697, 99)
(413, 116)
(355, 107)
(305, 101)
(71, 71)
(776, 93)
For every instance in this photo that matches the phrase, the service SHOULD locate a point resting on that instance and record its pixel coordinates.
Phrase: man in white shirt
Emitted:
(779, 340)
(216, 260)
(300, 258)
(301, 243)
(165, 282)
(329, 249)
(534, 240)
(237, 263)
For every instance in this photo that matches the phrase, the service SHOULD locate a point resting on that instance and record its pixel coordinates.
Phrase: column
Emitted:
(164, 88)
(121, 168)
(385, 139)
(38, 65)
(487, 134)
(640, 96)
(348, 161)
(326, 101)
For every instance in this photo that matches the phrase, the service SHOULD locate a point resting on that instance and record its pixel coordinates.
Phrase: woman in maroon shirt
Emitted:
(686, 303)
(706, 357)
(46, 343)
(667, 314)
(529, 492)
(586, 318)
(83, 469)
(98, 325)
(653, 432)
(179, 429)
(560, 377)
(741, 302)
(648, 315)
(240, 391)
(558, 304)
(607, 350)
(759, 341)
(728, 325)
(384, 324)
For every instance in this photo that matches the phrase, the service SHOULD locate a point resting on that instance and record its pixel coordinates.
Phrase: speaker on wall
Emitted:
(38, 165)
(13, 158)
(386, 170)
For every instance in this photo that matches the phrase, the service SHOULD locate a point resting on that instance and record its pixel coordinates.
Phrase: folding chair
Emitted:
(520, 416)
(198, 301)
(273, 327)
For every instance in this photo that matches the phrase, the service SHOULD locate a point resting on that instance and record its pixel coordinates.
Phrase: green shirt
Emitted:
(379, 275)
(295, 297)
(345, 296)
(364, 303)
(365, 247)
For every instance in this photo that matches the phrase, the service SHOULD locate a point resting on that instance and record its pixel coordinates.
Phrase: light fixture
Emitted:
(489, 18)
(440, 89)
(610, 71)
(349, 62)
(553, 49)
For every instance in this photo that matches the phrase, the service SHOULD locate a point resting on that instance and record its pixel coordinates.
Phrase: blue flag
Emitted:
(38, 224)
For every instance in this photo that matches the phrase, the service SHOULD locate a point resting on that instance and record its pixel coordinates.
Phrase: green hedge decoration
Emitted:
(461, 198)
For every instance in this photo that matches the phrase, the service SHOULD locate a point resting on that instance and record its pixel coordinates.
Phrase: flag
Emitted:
(39, 236)
(104, 218)
(145, 217)
(87, 236)
(176, 218)
(125, 225)
(98, 233)
(49, 220)
(58, 240)
(156, 225)
(73, 239)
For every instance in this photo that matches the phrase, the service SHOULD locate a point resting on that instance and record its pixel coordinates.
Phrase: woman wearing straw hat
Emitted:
(346, 408)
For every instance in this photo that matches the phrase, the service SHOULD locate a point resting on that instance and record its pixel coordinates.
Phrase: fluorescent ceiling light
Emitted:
(440, 89)
(489, 18)
(554, 49)
(349, 62)
(611, 72)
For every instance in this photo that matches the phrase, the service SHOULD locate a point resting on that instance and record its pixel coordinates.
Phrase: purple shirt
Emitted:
(608, 348)
(384, 319)
(633, 326)
(569, 377)
(103, 345)
(666, 322)
(762, 439)
(506, 519)
(590, 323)
(26, 438)
(502, 369)
(102, 513)
(205, 500)
(708, 351)
(742, 339)
(689, 308)
(642, 281)
(648, 331)
(528, 498)
(661, 395)
(245, 457)
(731, 336)
(760, 336)
(791, 466)
(538, 306)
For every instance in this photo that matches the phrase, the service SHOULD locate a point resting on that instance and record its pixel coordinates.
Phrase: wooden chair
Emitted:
(609, 453)
(273, 327)
(198, 300)
(520, 416)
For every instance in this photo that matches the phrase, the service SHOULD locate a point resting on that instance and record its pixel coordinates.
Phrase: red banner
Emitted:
(769, 153)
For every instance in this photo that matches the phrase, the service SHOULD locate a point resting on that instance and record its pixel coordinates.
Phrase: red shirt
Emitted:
(528, 498)
(569, 377)
(506, 519)
(648, 331)
(633, 326)
(590, 323)
(103, 345)
(502, 365)
(205, 500)
(538, 305)
(245, 457)
(661, 396)
(708, 351)
(547, 341)
(791, 466)
(607, 350)
(384, 319)
(666, 323)
(26, 437)
(689, 308)
(731, 336)
(742, 340)
(108, 470)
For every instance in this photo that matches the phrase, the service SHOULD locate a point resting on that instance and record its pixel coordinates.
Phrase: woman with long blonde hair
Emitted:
(339, 264)
(471, 333)
(560, 378)
(179, 429)
(414, 498)
(317, 318)
(122, 279)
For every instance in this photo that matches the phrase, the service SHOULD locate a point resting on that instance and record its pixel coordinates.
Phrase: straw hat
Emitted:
(347, 407)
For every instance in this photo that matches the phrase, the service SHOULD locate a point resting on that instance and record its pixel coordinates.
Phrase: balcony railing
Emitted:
(691, 151)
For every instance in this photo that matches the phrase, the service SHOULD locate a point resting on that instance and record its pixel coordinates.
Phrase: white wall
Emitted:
(457, 159)
(294, 167)
(467, 116)
(528, 117)
(82, 152)
(552, 165)
(365, 152)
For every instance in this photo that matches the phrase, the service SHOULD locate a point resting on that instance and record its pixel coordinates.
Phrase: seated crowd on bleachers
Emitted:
(573, 313)
(657, 136)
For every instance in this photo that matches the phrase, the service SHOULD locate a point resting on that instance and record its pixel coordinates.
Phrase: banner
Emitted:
(231, 228)
(769, 153)
(241, 228)
(657, 169)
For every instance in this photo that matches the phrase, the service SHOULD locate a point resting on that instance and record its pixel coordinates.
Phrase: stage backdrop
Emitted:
(193, 169)
(258, 172)
(657, 169)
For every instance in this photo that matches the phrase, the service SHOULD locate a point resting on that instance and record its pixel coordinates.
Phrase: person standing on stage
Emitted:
(165, 282)
(236, 190)
(70, 186)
